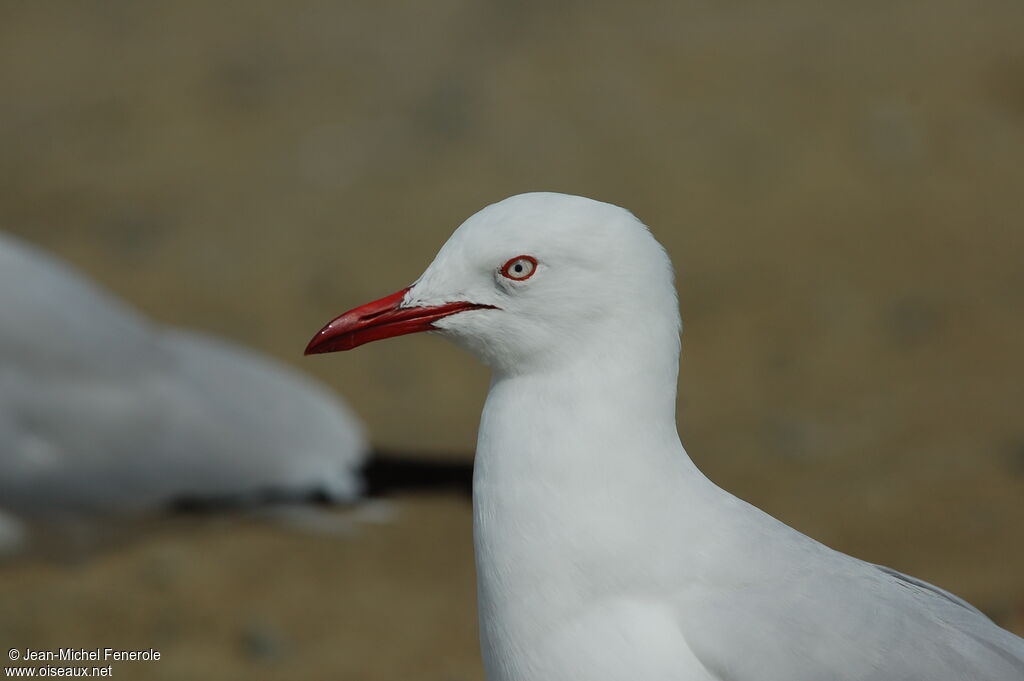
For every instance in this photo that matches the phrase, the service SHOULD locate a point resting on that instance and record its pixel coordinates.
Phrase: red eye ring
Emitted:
(519, 268)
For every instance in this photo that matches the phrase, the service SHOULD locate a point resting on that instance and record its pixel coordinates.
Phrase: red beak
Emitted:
(382, 318)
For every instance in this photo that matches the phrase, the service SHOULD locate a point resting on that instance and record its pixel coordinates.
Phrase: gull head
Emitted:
(536, 280)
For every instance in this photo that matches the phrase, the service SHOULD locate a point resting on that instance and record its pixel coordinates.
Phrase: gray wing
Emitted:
(790, 609)
(992, 649)
(915, 583)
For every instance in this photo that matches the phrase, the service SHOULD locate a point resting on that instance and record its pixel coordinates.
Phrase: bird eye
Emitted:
(519, 268)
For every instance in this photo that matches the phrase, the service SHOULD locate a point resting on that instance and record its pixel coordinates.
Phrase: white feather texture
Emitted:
(102, 410)
(602, 553)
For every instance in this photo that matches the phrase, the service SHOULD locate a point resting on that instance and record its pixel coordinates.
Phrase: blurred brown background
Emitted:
(840, 185)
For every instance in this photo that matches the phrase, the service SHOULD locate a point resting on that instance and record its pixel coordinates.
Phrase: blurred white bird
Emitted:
(602, 552)
(101, 410)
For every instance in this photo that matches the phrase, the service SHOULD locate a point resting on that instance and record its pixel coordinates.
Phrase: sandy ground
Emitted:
(839, 185)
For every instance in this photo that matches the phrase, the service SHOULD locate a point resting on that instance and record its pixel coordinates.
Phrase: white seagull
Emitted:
(104, 411)
(602, 552)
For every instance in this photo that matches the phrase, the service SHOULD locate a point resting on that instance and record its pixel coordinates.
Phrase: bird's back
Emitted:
(786, 608)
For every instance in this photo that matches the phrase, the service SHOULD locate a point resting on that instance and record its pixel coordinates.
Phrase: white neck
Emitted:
(575, 468)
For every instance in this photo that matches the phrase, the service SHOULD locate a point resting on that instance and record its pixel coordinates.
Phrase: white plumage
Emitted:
(102, 410)
(602, 553)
